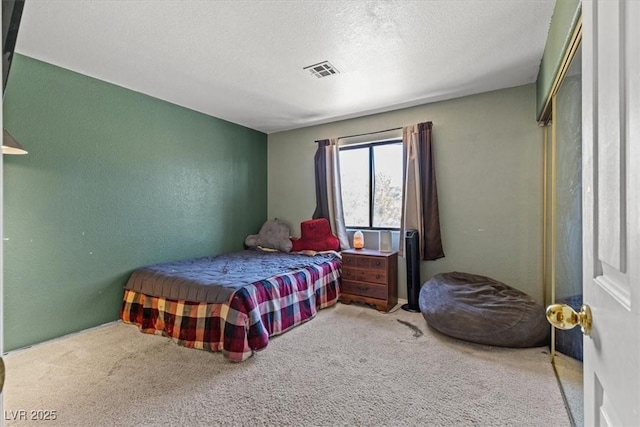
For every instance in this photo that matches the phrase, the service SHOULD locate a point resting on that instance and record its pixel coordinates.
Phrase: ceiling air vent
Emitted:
(322, 69)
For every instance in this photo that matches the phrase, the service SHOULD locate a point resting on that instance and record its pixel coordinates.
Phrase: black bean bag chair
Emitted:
(482, 310)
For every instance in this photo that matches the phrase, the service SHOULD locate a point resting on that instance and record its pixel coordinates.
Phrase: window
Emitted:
(371, 177)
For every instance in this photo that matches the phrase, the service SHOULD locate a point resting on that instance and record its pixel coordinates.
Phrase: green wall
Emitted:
(563, 22)
(113, 180)
(488, 153)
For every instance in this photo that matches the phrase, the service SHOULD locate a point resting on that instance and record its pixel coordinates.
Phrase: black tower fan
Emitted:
(412, 254)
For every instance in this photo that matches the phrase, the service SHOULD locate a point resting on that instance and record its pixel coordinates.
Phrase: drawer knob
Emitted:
(377, 276)
(363, 288)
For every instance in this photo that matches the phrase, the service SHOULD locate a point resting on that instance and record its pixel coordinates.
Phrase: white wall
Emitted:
(488, 153)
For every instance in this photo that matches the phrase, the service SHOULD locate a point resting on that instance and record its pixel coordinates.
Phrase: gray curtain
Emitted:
(329, 190)
(320, 165)
(419, 193)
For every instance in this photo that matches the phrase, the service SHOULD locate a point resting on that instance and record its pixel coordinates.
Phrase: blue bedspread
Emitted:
(215, 279)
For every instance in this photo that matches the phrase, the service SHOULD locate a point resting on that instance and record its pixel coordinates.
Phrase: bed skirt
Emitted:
(243, 325)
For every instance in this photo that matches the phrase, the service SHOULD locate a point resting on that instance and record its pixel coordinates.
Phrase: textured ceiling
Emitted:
(243, 61)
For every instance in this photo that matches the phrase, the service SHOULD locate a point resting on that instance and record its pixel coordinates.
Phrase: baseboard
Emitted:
(21, 349)
(400, 303)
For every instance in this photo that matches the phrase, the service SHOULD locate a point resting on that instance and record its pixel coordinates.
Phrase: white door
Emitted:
(1, 270)
(611, 210)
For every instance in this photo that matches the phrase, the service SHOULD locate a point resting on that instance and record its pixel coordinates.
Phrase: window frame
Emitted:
(369, 146)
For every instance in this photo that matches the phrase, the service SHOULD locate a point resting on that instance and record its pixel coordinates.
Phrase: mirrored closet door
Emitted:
(563, 219)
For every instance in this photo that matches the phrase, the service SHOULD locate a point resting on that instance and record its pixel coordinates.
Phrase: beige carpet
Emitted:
(349, 366)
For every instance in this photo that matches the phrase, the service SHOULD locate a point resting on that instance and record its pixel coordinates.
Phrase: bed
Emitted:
(232, 302)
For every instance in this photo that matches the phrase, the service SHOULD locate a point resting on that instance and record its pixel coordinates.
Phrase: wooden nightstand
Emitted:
(370, 277)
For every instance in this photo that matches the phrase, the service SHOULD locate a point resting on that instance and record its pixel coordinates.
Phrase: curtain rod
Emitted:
(368, 133)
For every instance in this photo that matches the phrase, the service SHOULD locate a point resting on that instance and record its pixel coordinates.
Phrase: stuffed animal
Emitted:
(316, 236)
(274, 234)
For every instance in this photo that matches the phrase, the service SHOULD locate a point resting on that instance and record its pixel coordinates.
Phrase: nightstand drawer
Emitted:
(349, 273)
(372, 263)
(375, 276)
(364, 289)
(348, 260)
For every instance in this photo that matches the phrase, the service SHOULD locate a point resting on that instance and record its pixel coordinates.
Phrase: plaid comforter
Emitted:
(243, 325)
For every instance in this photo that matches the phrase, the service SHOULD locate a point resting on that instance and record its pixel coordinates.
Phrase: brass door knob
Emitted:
(564, 317)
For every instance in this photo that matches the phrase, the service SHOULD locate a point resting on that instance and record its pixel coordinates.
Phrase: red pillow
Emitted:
(316, 236)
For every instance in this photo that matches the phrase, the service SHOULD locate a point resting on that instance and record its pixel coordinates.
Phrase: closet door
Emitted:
(567, 218)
